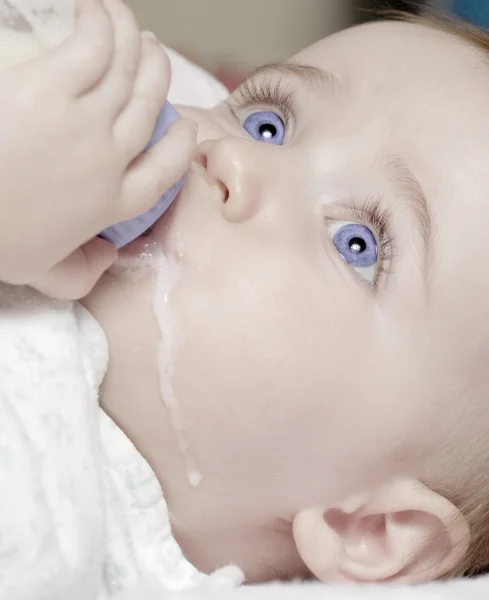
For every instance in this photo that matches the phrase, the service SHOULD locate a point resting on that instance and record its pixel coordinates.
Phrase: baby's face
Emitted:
(330, 247)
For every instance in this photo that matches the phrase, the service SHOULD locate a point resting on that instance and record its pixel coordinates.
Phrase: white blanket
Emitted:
(453, 590)
(81, 513)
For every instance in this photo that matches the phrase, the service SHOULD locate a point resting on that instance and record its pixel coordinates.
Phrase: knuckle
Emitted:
(154, 52)
(97, 49)
(146, 104)
(78, 289)
(129, 17)
(126, 76)
(119, 10)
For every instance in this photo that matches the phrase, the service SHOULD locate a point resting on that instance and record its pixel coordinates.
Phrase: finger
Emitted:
(135, 125)
(76, 276)
(157, 170)
(118, 84)
(83, 60)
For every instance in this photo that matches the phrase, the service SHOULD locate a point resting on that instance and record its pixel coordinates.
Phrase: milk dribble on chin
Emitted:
(164, 271)
(167, 275)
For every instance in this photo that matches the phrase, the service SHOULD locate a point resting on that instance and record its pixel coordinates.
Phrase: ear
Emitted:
(402, 531)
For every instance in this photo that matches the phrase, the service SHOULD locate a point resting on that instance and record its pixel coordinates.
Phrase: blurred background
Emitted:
(230, 37)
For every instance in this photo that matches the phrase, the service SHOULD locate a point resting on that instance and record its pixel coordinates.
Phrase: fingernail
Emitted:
(149, 35)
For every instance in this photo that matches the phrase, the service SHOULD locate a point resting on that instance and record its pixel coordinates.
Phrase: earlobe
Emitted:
(318, 545)
(402, 531)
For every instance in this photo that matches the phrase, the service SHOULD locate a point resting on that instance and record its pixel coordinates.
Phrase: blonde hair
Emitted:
(472, 499)
(476, 511)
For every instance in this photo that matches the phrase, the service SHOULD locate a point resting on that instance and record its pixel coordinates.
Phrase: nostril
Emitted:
(224, 191)
(209, 159)
(201, 159)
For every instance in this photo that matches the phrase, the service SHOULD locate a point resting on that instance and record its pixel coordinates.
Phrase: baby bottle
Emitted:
(29, 26)
(127, 231)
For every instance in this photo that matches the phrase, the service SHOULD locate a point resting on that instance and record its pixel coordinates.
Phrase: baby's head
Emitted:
(326, 336)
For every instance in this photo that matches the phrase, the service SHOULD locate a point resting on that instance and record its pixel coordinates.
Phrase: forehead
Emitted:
(417, 92)
(389, 43)
(412, 65)
(423, 94)
(413, 70)
(409, 90)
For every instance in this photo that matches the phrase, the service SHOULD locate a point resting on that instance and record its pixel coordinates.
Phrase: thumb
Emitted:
(75, 276)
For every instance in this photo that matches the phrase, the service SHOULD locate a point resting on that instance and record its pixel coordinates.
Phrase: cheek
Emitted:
(268, 365)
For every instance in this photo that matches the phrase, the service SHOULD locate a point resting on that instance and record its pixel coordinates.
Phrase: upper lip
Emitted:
(199, 169)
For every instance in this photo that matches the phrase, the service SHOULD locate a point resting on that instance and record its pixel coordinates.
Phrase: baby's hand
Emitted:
(73, 125)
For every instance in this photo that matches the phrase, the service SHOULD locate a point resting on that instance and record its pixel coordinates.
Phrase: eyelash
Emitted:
(372, 214)
(272, 93)
(264, 91)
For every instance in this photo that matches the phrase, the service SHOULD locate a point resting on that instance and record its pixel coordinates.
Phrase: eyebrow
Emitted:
(313, 77)
(411, 192)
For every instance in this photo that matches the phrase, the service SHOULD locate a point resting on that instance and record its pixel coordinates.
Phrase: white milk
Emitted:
(164, 272)
(167, 273)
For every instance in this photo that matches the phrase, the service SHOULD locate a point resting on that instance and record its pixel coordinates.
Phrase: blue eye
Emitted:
(357, 245)
(266, 126)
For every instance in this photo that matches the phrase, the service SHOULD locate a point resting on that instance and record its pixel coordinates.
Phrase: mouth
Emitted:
(162, 236)
(199, 169)
(144, 246)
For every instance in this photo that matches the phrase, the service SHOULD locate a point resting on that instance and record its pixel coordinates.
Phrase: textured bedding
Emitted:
(477, 589)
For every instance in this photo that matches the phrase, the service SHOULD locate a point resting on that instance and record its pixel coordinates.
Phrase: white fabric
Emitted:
(51, 21)
(82, 515)
(476, 589)
(193, 86)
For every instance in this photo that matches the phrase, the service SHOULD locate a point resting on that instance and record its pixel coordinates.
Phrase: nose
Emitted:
(242, 169)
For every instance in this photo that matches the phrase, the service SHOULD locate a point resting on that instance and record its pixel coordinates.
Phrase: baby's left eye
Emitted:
(357, 245)
(265, 126)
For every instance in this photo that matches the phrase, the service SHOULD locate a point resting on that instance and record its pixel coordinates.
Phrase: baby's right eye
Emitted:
(266, 127)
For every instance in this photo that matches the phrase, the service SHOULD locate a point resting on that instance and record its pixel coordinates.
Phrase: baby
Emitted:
(298, 348)
(329, 342)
